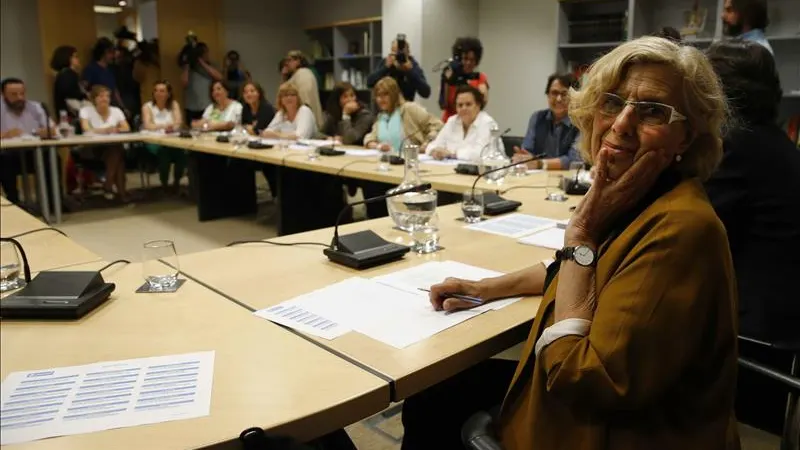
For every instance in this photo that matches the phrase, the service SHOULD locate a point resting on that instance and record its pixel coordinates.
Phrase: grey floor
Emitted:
(120, 232)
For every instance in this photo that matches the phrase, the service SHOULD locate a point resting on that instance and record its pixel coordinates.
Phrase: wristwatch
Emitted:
(583, 255)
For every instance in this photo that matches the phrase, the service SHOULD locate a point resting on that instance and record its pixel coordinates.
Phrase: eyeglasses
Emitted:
(649, 113)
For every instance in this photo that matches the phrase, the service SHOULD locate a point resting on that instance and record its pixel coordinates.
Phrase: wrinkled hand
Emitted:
(439, 294)
(440, 154)
(607, 199)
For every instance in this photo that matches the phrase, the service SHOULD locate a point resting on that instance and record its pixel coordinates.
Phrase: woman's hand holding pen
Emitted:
(442, 299)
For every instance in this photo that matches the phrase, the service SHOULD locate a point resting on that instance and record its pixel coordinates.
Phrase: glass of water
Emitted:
(158, 275)
(520, 170)
(472, 206)
(383, 160)
(425, 236)
(553, 188)
(313, 153)
(10, 268)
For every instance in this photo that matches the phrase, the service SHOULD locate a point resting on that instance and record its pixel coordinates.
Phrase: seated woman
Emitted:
(223, 113)
(257, 112)
(293, 120)
(346, 119)
(634, 341)
(163, 113)
(102, 118)
(399, 120)
(759, 208)
(466, 134)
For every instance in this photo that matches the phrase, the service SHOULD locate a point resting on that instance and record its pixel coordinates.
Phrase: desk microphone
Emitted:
(493, 203)
(473, 169)
(54, 294)
(366, 249)
(49, 136)
(330, 150)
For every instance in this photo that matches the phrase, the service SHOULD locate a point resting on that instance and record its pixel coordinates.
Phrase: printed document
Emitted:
(513, 225)
(62, 401)
(548, 238)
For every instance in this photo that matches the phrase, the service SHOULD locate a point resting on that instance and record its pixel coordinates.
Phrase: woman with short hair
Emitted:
(467, 133)
(223, 113)
(399, 120)
(294, 119)
(634, 341)
(68, 93)
(346, 119)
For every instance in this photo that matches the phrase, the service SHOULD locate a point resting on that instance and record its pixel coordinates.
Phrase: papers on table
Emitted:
(390, 309)
(427, 159)
(361, 152)
(514, 225)
(548, 238)
(94, 397)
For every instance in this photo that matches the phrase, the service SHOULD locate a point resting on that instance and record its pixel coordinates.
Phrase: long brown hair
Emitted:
(170, 98)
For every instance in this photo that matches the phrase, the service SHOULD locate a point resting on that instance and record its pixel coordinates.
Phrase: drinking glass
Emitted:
(553, 187)
(158, 275)
(425, 236)
(10, 268)
(383, 164)
(313, 153)
(472, 206)
(520, 170)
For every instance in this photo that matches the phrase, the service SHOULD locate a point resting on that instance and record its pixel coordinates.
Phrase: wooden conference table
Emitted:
(264, 376)
(262, 275)
(46, 249)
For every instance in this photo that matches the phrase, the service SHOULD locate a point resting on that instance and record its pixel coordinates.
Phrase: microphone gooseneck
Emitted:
(418, 188)
(525, 161)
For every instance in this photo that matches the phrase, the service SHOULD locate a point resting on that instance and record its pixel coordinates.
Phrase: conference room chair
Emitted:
(509, 142)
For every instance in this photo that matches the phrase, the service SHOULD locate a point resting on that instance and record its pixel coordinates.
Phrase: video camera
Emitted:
(401, 56)
(190, 52)
(458, 77)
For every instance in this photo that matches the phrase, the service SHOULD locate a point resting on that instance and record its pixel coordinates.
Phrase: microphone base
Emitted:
(495, 205)
(364, 250)
(55, 295)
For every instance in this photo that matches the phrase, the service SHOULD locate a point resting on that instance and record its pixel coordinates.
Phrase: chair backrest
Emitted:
(509, 142)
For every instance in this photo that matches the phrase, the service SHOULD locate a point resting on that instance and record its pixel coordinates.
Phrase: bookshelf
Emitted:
(346, 51)
(587, 29)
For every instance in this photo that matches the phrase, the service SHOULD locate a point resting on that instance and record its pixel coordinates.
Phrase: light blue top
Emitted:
(757, 35)
(390, 130)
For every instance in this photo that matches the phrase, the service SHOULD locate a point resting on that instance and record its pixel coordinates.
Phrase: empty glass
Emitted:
(472, 206)
(10, 268)
(383, 161)
(158, 275)
(313, 153)
(520, 170)
(553, 188)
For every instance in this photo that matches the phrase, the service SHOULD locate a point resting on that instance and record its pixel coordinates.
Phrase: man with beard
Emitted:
(18, 117)
(747, 20)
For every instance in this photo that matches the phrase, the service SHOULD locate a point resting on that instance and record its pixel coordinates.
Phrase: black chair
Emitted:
(477, 433)
(790, 439)
(509, 142)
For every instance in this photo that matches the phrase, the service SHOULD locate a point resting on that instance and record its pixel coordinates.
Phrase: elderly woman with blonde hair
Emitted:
(634, 341)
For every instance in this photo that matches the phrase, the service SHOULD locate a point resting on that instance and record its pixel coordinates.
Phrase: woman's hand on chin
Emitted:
(608, 198)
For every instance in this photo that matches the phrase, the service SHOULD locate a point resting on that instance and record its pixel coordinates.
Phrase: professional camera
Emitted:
(189, 53)
(401, 56)
(457, 76)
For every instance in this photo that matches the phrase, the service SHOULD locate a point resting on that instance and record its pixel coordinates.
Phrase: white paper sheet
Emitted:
(427, 159)
(294, 314)
(426, 275)
(361, 152)
(548, 238)
(384, 313)
(513, 225)
(94, 397)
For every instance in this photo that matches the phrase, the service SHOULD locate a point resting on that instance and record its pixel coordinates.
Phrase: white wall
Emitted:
(148, 20)
(262, 33)
(20, 46)
(519, 53)
(106, 24)
(323, 12)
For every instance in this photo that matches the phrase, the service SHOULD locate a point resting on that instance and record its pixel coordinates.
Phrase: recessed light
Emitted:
(122, 3)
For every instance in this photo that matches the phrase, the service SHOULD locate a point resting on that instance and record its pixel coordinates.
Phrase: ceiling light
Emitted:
(99, 9)
(122, 3)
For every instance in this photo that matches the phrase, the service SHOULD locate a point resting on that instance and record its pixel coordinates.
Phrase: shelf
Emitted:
(323, 59)
(785, 37)
(580, 45)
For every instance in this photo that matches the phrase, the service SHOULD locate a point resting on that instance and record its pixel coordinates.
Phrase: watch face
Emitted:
(583, 255)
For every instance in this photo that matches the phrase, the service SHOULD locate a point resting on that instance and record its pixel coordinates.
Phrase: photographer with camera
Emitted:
(198, 74)
(401, 66)
(235, 74)
(467, 53)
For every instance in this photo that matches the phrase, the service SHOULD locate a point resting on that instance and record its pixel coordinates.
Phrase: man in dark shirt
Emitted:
(409, 74)
(550, 132)
(756, 193)
(98, 71)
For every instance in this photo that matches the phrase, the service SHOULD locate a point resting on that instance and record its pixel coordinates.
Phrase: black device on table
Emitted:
(55, 295)
(366, 249)
(329, 150)
(574, 185)
(258, 145)
(224, 138)
(493, 203)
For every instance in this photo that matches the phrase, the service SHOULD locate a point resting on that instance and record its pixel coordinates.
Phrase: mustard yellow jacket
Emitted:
(658, 368)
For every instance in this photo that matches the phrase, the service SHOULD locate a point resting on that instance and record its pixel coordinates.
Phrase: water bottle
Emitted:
(493, 156)
(64, 127)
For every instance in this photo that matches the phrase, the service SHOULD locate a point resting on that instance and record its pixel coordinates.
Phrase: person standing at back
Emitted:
(401, 66)
(305, 81)
(198, 74)
(746, 19)
(468, 51)
(99, 72)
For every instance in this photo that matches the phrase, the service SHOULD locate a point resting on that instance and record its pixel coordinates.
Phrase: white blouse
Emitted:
(304, 124)
(232, 113)
(466, 147)
(160, 116)
(114, 119)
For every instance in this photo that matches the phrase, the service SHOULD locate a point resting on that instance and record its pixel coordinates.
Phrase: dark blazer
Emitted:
(756, 193)
(657, 370)
(351, 131)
